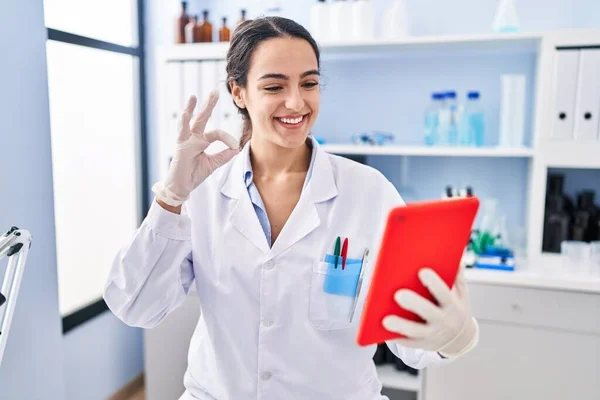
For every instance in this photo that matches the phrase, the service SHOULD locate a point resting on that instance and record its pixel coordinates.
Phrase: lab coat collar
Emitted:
(303, 220)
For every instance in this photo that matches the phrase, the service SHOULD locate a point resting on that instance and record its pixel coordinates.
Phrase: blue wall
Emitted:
(35, 344)
(101, 356)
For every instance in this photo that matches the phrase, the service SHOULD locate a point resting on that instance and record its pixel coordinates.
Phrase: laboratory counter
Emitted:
(547, 273)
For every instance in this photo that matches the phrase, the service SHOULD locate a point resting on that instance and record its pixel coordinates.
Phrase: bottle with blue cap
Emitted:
(454, 117)
(473, 123)
(432, 119)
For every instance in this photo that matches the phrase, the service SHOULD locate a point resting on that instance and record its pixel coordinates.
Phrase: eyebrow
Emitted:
(285, 77)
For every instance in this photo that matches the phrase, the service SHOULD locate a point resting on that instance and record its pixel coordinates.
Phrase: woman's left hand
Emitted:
(449, 328)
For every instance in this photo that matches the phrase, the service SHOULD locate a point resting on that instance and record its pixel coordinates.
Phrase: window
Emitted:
(97, 121)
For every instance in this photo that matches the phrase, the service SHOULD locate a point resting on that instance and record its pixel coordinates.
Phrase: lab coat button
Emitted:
(268, 323)
(266, 376)
(269, 264)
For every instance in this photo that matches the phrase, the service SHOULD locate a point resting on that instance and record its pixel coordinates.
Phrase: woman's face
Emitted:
(282, 91)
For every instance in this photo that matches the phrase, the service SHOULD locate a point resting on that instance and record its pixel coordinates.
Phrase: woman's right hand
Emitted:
(190, 165)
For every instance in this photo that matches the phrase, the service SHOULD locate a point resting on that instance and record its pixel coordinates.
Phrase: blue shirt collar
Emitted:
(247, 167)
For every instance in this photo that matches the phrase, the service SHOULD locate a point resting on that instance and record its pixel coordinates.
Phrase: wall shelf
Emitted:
(391, 378)
(437, 151)
(513, 42)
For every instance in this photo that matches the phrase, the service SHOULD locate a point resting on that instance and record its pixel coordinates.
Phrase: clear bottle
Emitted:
(363, 20)
(443, 121)
(473, 123)
(454, 117)
(506, 18)
(432, 115)
(341, 21)
(488, 228)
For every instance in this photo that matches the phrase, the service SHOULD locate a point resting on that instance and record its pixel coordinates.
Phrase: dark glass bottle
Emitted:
(242, 17)
(585, 225)
(557, 215)
(182, 21)
(224, 31)
(206, 28)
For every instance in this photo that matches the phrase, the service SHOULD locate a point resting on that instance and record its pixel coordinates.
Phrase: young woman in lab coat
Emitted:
(249, 228)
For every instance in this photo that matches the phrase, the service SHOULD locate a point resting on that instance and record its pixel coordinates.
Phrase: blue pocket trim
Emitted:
(340, 281)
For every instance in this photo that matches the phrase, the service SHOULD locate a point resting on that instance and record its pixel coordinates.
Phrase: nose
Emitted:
(294, 101)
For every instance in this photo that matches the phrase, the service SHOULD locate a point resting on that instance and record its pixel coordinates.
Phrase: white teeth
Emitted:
(292, 120)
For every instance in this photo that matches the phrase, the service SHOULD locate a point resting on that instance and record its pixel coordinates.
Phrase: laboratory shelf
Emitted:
(391, 378)
(439, 151)
(501, 42)
(527, 42)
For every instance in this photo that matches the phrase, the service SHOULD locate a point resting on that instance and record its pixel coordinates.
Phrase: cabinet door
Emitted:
(518, 362)
(166, 351)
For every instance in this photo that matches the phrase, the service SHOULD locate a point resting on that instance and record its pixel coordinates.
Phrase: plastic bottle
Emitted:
(443, 121)
(472, 123)
(363, 20)
(341, 21)
(189, 29)
(506, 19)
(319, 21)
(454, 121)
(432, 119)
(395, 21)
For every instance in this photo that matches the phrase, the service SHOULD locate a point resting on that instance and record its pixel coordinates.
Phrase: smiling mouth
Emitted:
(292, 121)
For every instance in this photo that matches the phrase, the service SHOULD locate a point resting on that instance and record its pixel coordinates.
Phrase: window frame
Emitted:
(96, 308)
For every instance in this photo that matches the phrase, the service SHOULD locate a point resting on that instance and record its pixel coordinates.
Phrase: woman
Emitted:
(252, 237)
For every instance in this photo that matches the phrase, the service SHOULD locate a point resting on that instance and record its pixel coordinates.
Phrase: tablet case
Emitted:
(422, 234)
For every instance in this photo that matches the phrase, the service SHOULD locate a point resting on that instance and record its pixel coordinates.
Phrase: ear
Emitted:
(237, 93)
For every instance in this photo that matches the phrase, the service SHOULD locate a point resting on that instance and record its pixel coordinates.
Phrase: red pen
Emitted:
(344, 252)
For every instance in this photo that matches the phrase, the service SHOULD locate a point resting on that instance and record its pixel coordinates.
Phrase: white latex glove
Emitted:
(191, 165)
(449, 328)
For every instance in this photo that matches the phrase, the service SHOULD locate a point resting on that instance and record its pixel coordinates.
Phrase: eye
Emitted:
(310, 85)
(273, 89)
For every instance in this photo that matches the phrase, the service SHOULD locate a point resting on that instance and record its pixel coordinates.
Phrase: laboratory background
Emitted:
(498, 99)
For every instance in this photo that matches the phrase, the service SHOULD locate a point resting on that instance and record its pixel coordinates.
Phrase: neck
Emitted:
(271, 160)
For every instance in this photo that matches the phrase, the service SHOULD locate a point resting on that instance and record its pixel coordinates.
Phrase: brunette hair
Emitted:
(245, 39)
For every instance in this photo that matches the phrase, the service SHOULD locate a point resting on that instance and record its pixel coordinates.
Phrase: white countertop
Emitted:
(545, 274)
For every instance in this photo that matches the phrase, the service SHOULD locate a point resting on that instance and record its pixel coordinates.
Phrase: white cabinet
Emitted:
(587, 109)
(166, 351)
(534, 345)
(576, 91)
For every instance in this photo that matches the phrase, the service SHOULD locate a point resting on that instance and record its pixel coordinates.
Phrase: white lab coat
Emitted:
(267, 330)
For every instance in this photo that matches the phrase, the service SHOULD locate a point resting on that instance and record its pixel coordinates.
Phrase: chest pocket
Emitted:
(333, 292)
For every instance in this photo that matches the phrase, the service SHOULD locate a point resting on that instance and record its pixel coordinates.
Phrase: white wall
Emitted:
(35, 345)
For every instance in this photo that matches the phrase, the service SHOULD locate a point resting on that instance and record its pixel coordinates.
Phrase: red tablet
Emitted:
(430, 234)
